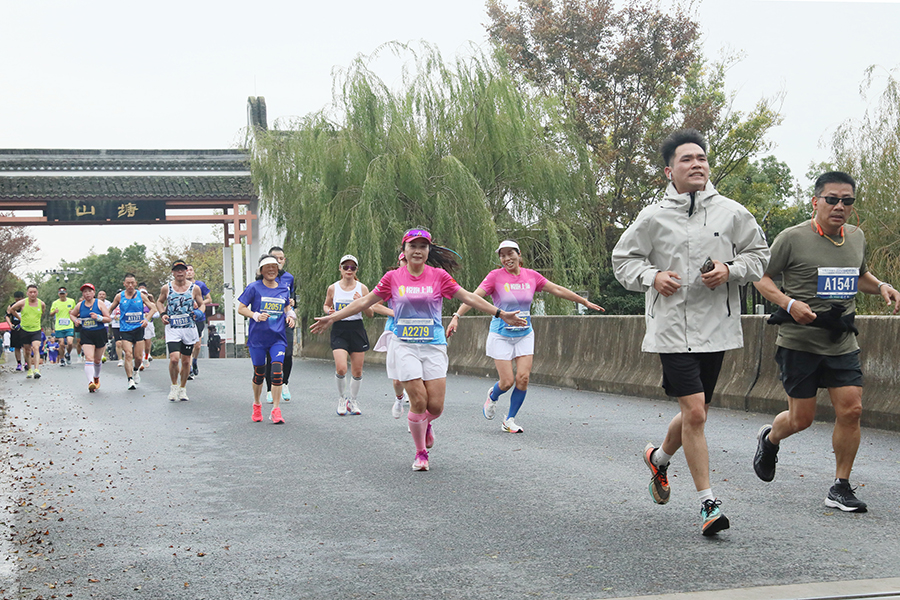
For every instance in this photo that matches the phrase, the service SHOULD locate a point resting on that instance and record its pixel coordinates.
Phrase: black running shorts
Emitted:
(94, 337)
(690, 373)
(803, 373)
(350, 336)
(134, 336)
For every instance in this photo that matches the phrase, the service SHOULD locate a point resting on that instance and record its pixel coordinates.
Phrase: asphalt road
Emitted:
(123, 494)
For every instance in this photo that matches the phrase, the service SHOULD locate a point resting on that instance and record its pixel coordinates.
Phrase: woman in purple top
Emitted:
(419, 346)
(266, 302)
(513, 287)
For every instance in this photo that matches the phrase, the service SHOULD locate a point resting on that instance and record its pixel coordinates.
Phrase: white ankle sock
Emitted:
(660, 458)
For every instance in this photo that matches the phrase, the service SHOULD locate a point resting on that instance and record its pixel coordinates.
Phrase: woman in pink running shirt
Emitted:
(513, 287)
(419, 347)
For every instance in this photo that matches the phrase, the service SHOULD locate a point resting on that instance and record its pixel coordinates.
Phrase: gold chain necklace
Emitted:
(825, 235)
(843, 239)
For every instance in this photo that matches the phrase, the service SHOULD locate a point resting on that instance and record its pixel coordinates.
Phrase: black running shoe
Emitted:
(766, 455)
(841, 496)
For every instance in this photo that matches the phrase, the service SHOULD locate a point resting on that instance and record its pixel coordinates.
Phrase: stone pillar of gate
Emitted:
(228, 300)
(240, 339)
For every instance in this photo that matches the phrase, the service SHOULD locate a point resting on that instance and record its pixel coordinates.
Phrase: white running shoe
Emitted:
(342, 406)
(509, 426)
(173, 392)
(182, 394)
(285, 393)
(490, 406)
(137, 377)
(131, 384)
(269, 398)
(353, 407)
(121, 363)
(397, 409)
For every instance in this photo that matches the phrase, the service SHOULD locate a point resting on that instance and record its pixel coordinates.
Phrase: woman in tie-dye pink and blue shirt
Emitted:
(419, 347)
(513, 287)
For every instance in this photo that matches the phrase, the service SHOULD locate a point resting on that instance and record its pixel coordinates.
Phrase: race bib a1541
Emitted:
(837, 282)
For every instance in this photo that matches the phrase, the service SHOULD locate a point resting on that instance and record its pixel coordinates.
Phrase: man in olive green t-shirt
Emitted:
(823, 265)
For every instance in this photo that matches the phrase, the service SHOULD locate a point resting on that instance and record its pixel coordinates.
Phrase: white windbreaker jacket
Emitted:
(678, 234)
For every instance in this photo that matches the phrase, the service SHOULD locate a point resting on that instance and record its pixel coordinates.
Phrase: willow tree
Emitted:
(456, 148)
(869, 149)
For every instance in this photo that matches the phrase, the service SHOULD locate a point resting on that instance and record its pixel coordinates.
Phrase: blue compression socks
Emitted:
(497, 392)
(515, 402)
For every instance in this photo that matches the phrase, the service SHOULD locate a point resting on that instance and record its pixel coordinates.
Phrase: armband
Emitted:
(790, 304)
(497, 314)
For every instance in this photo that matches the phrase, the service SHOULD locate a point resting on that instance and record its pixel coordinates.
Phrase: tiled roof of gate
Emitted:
(160, 187)
(42, 174)
(56, 160)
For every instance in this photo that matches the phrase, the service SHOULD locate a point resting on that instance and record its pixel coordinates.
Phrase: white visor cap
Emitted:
(347, 257)
(508, 244)
(269, 260)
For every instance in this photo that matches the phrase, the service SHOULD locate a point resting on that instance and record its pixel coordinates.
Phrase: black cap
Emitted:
(62, 289)
(179, 264)
(19, 294)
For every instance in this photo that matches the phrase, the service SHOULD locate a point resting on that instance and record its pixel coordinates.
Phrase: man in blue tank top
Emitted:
(132, 321)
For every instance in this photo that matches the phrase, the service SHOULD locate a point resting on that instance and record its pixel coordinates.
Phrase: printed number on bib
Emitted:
(133, 318)
(88, 323)
(340, 306)
(525, 314)
(837, 282)
(180, 321)
(65, 321)
(273, 306)
(415, 330)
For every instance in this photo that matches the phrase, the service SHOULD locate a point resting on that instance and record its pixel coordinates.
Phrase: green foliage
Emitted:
(625, 78)
(17, 248)
(457, 149)
(869, 149)
(767, 189)
(107, 271)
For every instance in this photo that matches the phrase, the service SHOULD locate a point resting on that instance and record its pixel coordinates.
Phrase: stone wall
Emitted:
(603, 354)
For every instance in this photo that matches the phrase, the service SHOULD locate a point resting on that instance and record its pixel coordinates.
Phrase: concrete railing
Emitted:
(603, 354)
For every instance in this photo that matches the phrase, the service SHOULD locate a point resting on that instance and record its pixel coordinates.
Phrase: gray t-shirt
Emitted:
(820, 273)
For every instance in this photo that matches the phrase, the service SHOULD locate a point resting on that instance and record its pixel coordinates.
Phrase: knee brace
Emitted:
(259, 374)
(277, 373)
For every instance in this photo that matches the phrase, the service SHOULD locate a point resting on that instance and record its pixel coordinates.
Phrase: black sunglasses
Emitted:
(833, 200)
(348, 267)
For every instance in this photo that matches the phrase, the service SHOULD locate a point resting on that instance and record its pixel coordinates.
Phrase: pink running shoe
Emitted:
(421, 462)
(276, 416)
(429, 436)
(257, 413)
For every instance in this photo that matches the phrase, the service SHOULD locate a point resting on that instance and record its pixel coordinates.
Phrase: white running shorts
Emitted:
(501, 347)
(417, 361)
(186, 335)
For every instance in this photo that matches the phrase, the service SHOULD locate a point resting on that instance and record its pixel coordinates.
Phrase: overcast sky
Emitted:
(177, 74)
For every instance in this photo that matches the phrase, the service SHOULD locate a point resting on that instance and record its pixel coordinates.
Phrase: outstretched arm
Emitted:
(510, 318)
(322, 323)
(567, 294)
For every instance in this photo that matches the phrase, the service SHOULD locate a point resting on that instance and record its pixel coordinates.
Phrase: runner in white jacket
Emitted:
(689, 253)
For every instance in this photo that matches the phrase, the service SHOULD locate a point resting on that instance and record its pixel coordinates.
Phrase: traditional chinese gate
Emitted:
(140, 187)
